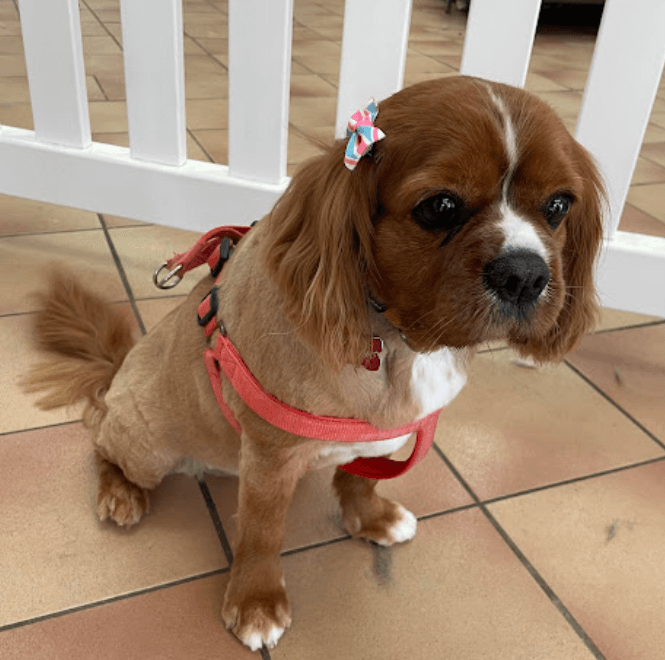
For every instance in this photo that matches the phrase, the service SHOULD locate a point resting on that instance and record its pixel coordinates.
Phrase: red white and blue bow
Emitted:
(362, 133)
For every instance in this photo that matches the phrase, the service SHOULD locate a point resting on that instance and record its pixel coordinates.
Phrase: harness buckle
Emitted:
(225, 248)
(165, 282)
(213, 302)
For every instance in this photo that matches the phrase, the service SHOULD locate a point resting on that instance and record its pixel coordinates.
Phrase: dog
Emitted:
(472, 215)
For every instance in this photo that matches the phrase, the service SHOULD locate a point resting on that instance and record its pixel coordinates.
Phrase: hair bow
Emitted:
(362, 133)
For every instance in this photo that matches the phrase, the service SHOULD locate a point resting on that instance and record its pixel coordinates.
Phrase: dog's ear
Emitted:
(584, 233)
(318, 251)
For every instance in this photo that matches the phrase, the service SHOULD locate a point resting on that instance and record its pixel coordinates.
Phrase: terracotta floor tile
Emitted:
(207, 113)
(635, 220)
(85, 253)
(612, 319)
(108, 116)
(112, 84)
(191, 47)
(215, 142)
(514, 428)
(649, 198)
(12, 65)
(629, 366)
(655, 134)
(654, 152)
(142, 249)
(215, 46)
(170, 624)
(648, 172)
(314, 515)
(535, 82)
(311, 85)
(25, 216)
(309, 113)
(92, 28)
(101, 45)
(574, 79)
(658, 118)
(455, 591)
(438, 47)
(600, 545)
(95, 92)
(315, 46)
(324, 64)
(96, 64)
(11, 44)
(16, 114)
(57, 555)
(565, 104)
(18, 409)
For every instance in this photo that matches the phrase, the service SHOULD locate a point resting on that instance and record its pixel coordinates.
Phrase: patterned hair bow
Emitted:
(362, 133)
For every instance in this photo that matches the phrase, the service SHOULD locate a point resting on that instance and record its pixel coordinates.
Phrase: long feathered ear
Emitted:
(584, 233)
(318, 251)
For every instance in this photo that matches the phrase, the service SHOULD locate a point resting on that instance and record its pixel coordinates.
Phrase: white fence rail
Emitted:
(152, 180)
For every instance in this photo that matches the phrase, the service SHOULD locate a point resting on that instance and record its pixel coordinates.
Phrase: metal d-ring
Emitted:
(165, 282)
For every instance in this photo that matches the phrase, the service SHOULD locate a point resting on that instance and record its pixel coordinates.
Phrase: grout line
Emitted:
(556, 601)
(50, 233)
(219, 528)
(315, 546)
(540, 581)
(106, 98)
(439, 514)
(635, 326)
(103, 24)
(190, 132)
(39, 428)
(609, 399)
(574, 480)
(113, 599)
(205, 50)
(123, 275)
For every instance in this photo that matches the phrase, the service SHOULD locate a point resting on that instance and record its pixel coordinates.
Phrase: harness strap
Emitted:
(224, 358)
(214, 248)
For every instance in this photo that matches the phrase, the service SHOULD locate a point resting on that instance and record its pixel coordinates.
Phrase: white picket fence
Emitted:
(153, 181)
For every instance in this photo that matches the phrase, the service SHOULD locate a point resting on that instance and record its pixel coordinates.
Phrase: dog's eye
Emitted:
(556, 208)
(438, 213)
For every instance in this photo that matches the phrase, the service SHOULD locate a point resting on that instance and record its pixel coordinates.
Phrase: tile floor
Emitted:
(542, 509)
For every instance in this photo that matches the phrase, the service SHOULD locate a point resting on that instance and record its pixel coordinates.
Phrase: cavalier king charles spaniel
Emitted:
(477, 217)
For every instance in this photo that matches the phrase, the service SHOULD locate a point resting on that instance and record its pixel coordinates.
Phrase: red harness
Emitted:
(214, 248)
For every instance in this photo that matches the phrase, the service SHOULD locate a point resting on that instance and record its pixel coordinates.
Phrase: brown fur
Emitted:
(85, 340)
(294, 299)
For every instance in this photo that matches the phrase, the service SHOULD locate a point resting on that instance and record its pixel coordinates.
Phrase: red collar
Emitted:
(223, 358)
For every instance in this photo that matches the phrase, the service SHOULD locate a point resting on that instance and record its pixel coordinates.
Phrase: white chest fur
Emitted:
(436, 379)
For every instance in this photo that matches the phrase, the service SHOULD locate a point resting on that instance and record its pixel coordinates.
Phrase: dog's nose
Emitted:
(517, 278)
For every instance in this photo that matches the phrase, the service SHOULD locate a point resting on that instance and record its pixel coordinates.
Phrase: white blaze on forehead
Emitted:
(519, 234)
(509, 138)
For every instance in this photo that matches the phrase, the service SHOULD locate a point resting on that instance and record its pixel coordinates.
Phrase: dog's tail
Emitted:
(86, 340)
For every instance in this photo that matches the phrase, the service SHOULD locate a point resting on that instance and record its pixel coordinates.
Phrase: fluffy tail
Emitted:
(86, 340)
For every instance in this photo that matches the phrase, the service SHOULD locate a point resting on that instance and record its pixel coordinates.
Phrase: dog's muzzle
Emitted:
(516, 279)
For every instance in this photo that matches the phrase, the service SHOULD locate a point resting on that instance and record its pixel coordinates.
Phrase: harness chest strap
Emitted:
(223, 358)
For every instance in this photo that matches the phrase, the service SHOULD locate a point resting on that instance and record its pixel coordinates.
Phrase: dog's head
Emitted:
(477, 217)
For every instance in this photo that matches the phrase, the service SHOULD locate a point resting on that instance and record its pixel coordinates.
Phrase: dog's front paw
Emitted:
(257, 618)
(394, 524)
